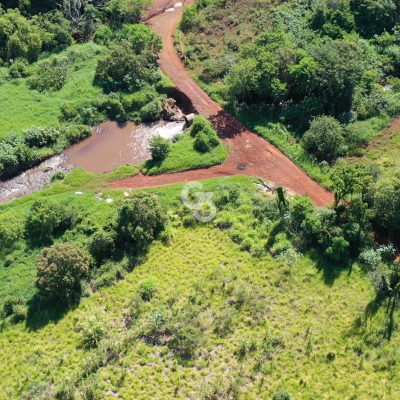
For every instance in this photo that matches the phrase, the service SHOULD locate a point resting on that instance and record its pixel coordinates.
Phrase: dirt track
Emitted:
(251, 155)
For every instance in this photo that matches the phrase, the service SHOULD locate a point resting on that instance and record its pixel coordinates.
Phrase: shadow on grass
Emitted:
(331, 269)
(41, 312)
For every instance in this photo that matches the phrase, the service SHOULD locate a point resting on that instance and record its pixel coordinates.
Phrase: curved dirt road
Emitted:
(251, 155)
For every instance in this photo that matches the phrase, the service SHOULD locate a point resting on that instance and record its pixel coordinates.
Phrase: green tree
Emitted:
(122, 69)
(340, 70)
(141, 37)
(59, 271)
(128, 11)
(19, 38)
(386, 204)
(325, 138)
(349, 180)
(45, 217)
(339, 249)
(159, 147)
(140, 221)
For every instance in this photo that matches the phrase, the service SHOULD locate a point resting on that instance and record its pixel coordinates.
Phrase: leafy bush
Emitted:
(37, 136)
(49, 76)
(281, 395)
(122, 69)
(76, 133)
(151, 111)
(188, 16)
(58, 176)
(92, 324)
(206, 140)
(325, 138)
(45, 217)
(141, 37)
(140, 221)
(19, 69)
(101, 245)
(339, 249)
(199, 123)
(114, 109)
(11, 303)
(59, 271)
(159, 147)
(103, 36)
(147, 288)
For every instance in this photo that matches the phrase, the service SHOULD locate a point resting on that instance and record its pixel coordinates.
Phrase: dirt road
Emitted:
(251, 155)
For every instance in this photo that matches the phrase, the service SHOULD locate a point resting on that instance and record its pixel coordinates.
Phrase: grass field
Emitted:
(384, 150)
(23, 107)
(311, 327)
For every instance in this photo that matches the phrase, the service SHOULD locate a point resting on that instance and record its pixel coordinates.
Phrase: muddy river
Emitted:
(112, 144)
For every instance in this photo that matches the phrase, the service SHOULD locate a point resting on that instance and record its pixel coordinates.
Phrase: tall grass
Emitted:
(22, 107)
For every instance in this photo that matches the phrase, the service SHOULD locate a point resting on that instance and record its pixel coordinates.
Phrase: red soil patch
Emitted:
(251, 155)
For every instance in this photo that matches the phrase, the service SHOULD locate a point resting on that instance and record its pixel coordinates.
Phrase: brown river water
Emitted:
(111, 145)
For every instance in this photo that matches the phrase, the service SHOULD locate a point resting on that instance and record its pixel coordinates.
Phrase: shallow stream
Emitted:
(111, 145)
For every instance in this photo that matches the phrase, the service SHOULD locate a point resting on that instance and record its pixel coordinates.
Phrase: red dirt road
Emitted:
(250, 154)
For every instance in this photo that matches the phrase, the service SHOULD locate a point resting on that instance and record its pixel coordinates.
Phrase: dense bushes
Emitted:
(37, 144)
(123, 69)
(24, 38)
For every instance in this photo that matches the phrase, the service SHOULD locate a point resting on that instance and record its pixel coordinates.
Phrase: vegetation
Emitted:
(47, 83)
(280, 66)
(217, 298)
(198, 147)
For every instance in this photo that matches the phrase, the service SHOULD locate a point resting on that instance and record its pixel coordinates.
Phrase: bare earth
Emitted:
(250, 154)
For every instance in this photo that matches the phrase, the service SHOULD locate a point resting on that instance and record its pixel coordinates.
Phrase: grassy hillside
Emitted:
(221, 323)
(23, 107)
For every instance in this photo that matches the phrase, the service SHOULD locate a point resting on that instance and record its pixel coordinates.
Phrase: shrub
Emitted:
(114, 109)
(122, 69)
(58, 176)
(206, 140)
(59, 271)
(339, 248)
(159, 147)
(11, 304)
(199, 123)
(325, 138)
(147, 288)
(103, 36)
(282, 244)
(37, 136)
(101, 245)
(45, 218)
(19, 69)
(49, 76)
(151, 111)
(140, 221)
(76, 133)
(92, 325)
(281, 395)
(370, 257)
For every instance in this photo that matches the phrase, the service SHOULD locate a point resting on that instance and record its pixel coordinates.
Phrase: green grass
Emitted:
(22, 107)
(384, 150)
(299, 310)
(184, 157)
